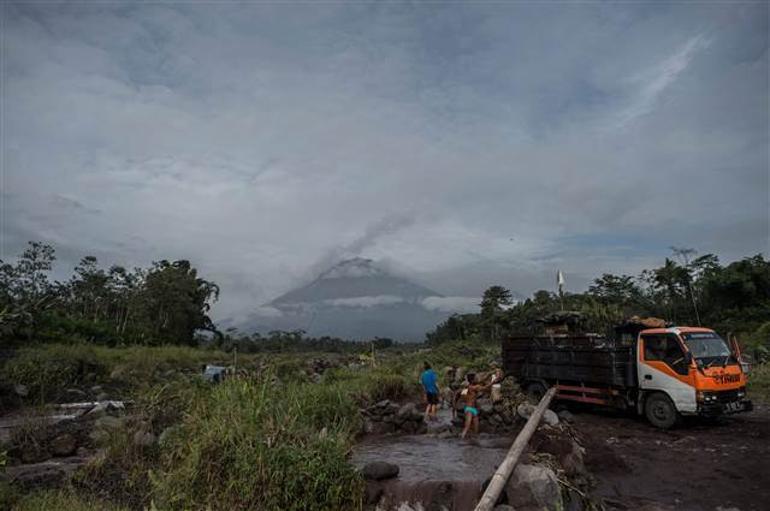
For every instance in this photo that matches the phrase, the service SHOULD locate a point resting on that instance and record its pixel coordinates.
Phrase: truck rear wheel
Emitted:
(660, 411)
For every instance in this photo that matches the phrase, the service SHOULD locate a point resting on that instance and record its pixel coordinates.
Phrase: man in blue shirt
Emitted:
(429, 381)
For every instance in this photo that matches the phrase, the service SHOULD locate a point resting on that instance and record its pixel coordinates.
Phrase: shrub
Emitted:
(759, 382)
(49, 370)
(389, 386)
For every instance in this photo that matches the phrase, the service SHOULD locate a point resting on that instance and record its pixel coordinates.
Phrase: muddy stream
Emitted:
(438, 472)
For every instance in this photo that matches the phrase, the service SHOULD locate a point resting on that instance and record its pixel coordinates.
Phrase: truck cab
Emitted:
(688, 371)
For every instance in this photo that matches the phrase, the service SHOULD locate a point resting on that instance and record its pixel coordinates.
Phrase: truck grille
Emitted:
(727, 396)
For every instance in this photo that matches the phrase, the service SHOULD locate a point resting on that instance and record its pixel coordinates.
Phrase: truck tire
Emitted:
(535, 392)
(660, 411)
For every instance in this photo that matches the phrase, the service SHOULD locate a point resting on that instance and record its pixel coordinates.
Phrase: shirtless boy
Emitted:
(471, 412)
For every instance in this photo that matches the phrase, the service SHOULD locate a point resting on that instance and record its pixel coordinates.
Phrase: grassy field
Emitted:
(271, 439)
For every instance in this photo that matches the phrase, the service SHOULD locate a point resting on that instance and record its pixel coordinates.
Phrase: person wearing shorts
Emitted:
(470, 409)
(429, 382)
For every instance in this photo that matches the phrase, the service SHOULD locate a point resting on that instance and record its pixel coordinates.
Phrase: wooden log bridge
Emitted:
(503, 472)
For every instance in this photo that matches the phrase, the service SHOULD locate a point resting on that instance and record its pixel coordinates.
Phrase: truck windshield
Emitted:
(706, 345)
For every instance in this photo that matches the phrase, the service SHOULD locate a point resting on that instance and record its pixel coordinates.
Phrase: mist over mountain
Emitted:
(357, 299)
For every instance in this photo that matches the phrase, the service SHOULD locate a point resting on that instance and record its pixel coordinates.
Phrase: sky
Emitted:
(458, 144)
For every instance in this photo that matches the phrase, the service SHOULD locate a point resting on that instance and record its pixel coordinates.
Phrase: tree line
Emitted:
(167, 303)
(684, 290)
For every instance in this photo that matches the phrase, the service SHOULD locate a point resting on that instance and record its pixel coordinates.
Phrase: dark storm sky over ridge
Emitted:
(461, 144)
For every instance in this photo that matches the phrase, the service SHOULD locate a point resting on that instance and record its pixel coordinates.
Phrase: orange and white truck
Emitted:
(662, 373)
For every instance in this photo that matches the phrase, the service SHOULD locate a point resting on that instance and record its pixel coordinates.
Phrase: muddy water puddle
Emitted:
(434, 473)
(428, 458)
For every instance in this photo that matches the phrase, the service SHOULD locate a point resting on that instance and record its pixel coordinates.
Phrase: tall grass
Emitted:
(60, 500)
(251, 445)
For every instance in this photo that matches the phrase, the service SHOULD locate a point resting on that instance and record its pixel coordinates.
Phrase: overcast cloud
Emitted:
(464, 145)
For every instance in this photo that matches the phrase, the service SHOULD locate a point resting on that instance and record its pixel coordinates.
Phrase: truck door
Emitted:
(664, 367)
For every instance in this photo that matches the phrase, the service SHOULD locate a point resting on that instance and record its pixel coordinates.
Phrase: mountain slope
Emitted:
(354, 299)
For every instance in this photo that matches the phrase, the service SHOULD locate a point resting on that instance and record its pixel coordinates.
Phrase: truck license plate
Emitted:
(733, 407)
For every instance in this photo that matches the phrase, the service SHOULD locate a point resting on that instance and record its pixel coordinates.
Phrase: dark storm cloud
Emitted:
(467, 144)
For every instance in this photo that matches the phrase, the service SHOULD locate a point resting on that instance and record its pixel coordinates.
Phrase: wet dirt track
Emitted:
(696, 466)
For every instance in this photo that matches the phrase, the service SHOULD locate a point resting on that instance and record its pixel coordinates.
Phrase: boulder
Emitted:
(33, 454)
(534, 486)
(566, 416)
(21, 390)
(103, 396)
(525, 410)
(96, 389)
(64, 445)
(379, 470)
(550, 418)
(407, 411)
(485, 406)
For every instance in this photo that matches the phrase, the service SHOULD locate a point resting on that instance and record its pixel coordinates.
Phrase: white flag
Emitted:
(560, 279)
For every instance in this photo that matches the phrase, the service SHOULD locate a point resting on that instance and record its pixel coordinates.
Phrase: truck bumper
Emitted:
(717, 409)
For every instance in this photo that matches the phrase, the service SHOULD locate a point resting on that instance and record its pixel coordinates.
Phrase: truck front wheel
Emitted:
(660, 411)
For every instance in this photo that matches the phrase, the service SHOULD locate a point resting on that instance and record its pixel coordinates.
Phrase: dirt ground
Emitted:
(697, 466)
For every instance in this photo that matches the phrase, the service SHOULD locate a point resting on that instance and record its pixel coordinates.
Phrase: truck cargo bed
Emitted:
(585, 359)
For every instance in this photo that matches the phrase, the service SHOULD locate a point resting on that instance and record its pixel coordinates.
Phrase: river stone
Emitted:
(525, 410)
(407, 411)
(379, 470)
(550, 418)
(63, 445)
(533, 486)
(485, 406)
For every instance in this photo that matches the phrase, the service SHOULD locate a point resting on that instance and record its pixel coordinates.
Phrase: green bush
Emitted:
(389, 386)
(759, 383)
(49, 370)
